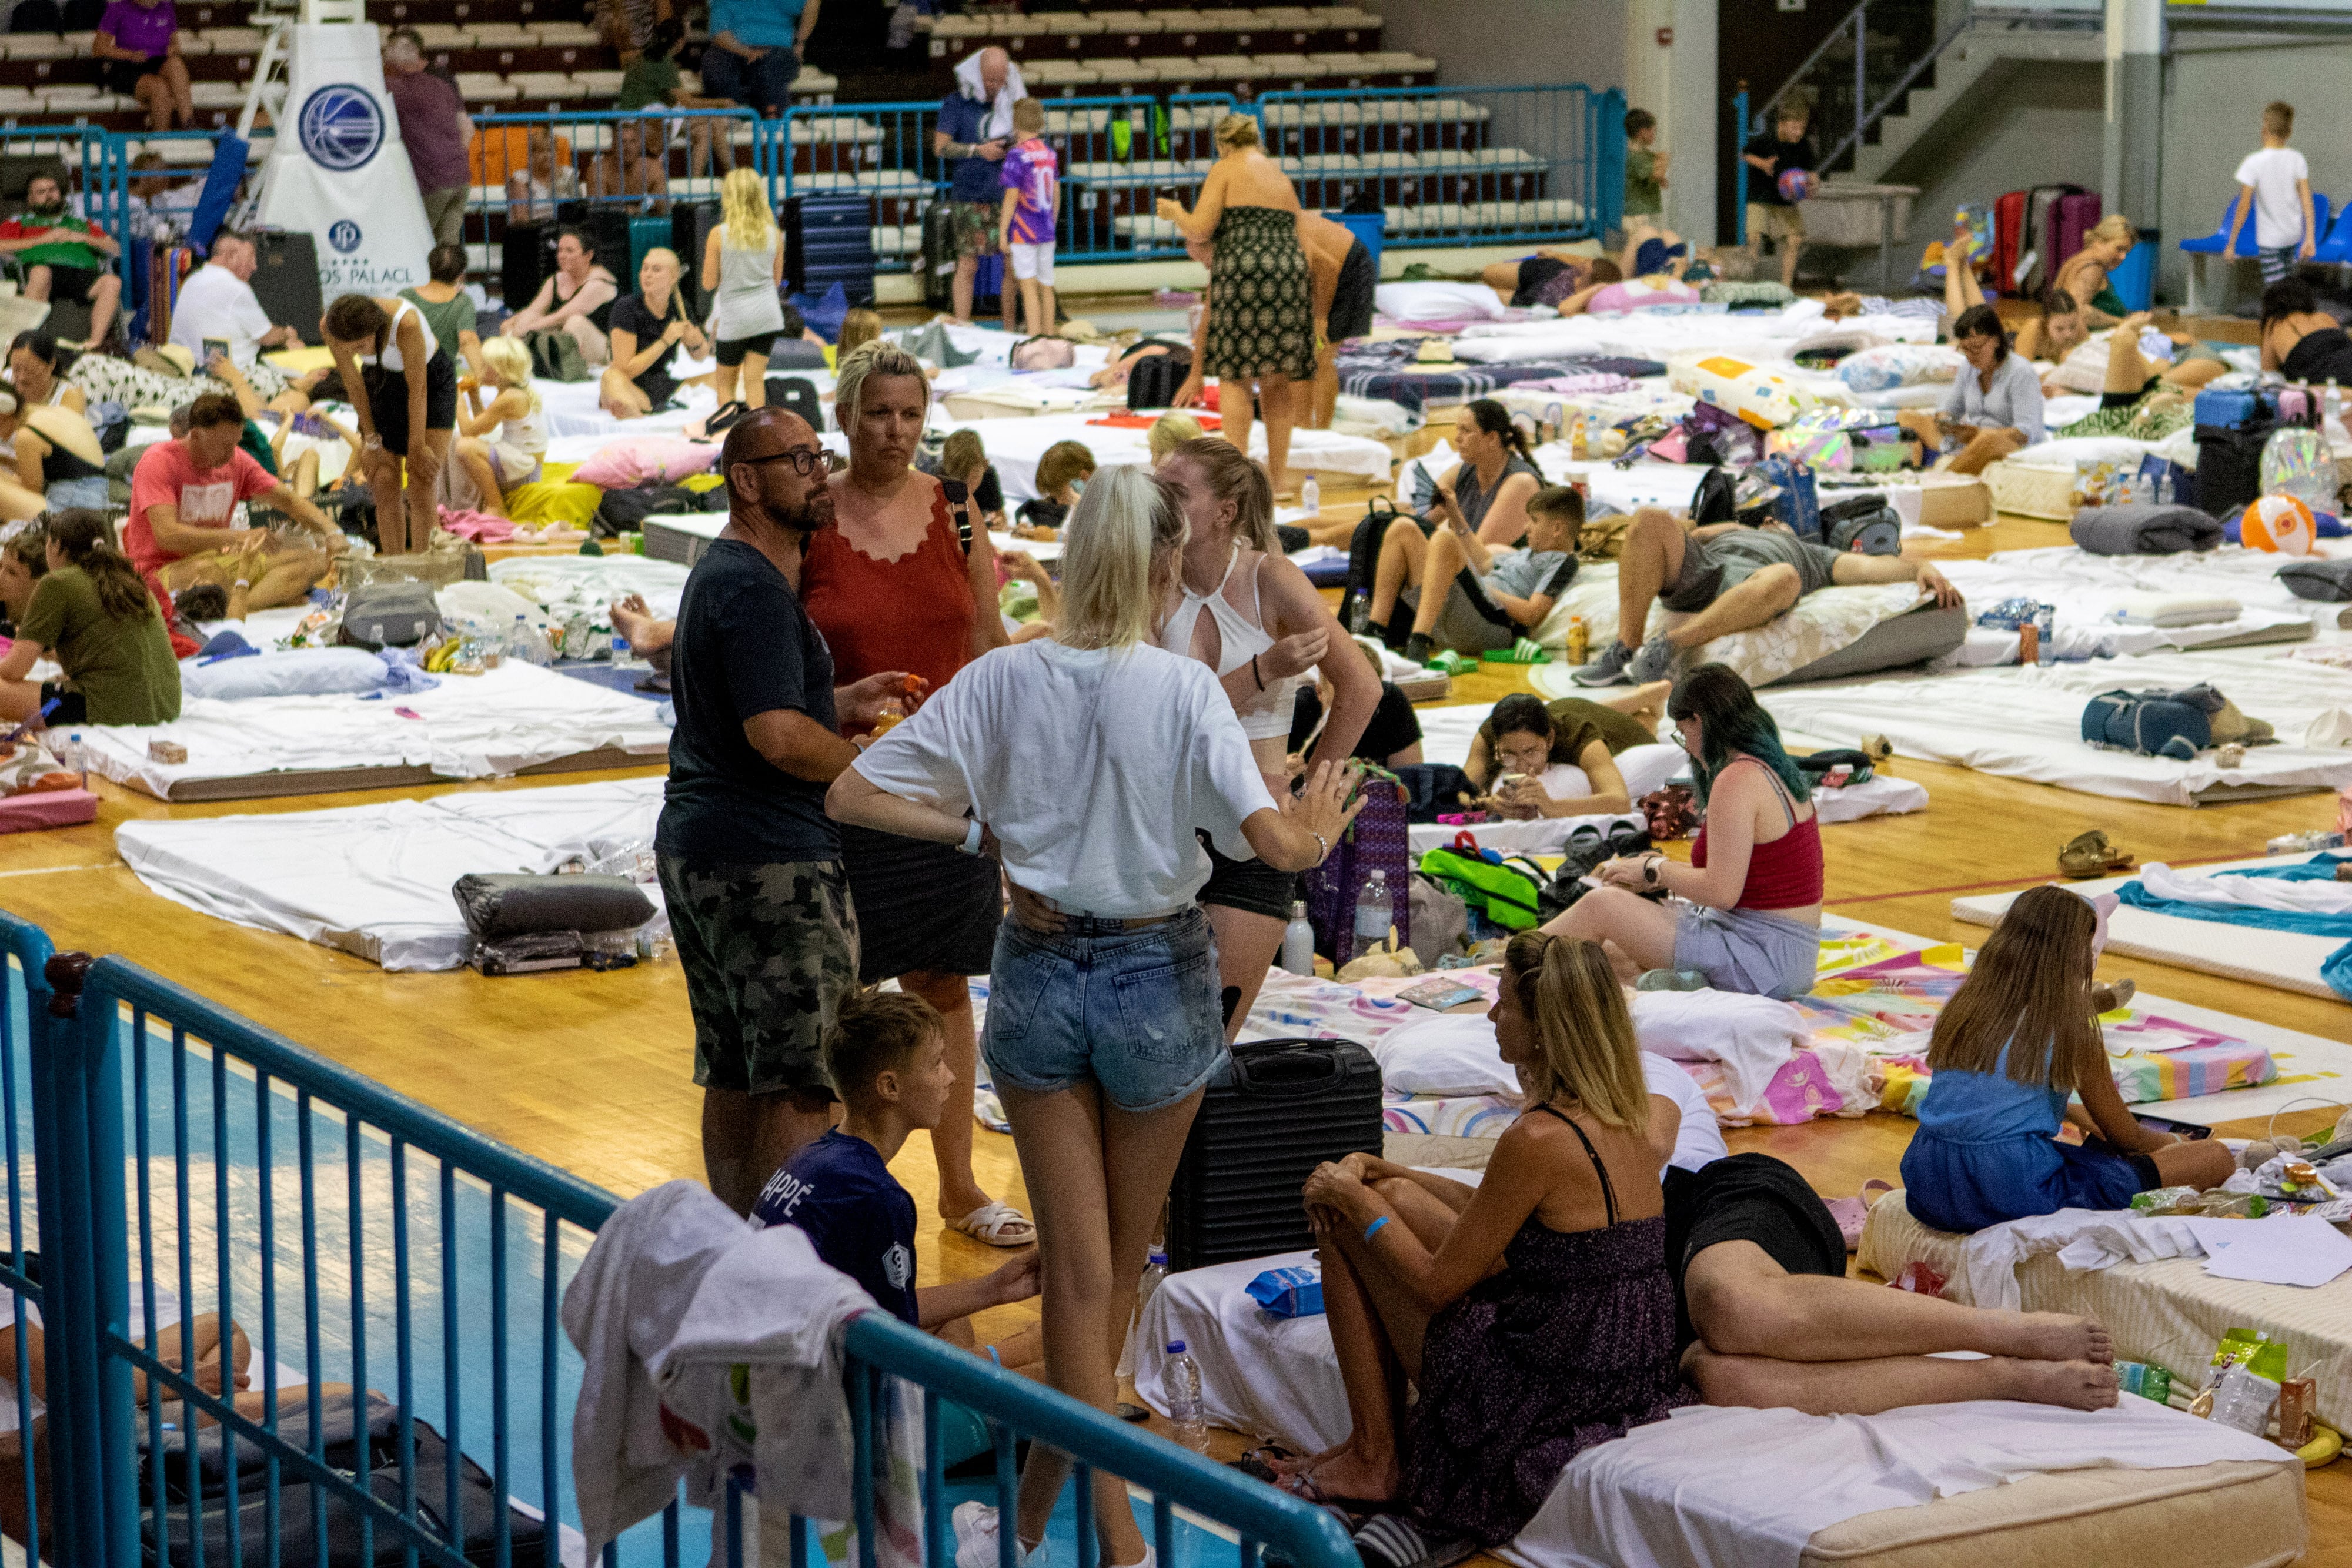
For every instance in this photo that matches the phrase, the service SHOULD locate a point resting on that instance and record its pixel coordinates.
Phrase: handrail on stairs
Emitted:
(1866, 114)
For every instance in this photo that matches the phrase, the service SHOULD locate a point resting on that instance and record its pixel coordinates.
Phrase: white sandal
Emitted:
(989, 1223)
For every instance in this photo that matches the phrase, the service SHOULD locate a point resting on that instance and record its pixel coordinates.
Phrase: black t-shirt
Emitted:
(1785, 156)
(630, 314)
(1390, 730)
(744, 647)
(855, 1213)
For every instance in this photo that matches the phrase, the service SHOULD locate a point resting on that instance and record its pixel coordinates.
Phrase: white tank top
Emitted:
(1240, 639)
(391, 359)
(528, 434)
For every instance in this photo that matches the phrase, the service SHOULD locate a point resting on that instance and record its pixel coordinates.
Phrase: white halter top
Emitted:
(1240, 639)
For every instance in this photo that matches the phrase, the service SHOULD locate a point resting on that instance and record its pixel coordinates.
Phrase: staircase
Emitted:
(1893, 68)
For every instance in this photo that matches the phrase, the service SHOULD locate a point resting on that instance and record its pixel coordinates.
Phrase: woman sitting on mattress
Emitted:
(1534, 1312)
(1746, 913)
(2019, 1038)
(91, 612)
(1559, 759)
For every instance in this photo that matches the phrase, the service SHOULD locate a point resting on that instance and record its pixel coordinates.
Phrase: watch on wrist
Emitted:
(972, 835)
(1650, 870)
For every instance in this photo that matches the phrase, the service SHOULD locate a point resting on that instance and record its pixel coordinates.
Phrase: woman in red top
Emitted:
(1746, 913)
(894, 589)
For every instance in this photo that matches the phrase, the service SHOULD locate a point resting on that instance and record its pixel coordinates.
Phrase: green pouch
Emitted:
(1505, 895)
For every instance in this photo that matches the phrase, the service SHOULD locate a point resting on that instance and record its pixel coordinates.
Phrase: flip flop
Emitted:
(989, 1223)
(1300, 1484)
(2090, 854)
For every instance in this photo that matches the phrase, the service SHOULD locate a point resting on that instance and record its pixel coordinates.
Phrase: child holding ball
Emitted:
(1772, 211)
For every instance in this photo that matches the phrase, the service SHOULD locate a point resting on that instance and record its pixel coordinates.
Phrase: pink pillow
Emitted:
(646, 460)
(1641, 294)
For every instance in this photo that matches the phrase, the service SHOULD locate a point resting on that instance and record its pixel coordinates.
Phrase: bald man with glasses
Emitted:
(751, 865)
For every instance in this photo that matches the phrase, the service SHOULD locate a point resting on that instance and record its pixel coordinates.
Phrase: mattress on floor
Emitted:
(373, 880)
(1642, 1500)
(1014, 445)
(560, 584)
(2167, 1312)
(2088, 591)
(1878, 627)
(517, 718)
(2286, 960)
(2026, 723)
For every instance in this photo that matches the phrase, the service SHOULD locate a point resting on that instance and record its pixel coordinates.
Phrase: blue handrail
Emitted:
(98, 1355)
(54, 1294)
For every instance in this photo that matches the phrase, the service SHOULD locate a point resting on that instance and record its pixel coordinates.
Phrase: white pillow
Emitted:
(1699, 1140)
(301, 672)
(486, 610)
(1445, 1053)
(2178, 609)
(1648, 768)
(1752, 1037)
(1437, 301)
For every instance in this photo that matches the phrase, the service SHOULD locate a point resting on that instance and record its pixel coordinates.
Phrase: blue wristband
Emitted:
(1374, 1227)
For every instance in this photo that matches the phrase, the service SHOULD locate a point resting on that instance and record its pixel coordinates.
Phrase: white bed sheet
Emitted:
(2088, 590)
(374, 881)
(1662, 334)
(2026, 723)
(1014, 445)
(564, 582)
(470, 727)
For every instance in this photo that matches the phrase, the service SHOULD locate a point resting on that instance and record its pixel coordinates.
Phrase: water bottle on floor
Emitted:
(1180, 1381)
(1154, 1272)
(1311, 495)
(1299, 941)
(1374, 913)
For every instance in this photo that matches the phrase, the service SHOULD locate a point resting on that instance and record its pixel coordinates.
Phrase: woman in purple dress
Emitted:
(1534, 1313)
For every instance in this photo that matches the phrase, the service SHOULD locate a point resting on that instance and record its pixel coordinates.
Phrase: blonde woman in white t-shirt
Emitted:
(742, 263)
(1105, 1020)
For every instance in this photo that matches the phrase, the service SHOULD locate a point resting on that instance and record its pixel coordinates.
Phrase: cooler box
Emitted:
(1369, 227)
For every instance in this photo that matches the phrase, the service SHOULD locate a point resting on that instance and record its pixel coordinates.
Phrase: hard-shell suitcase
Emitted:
(1276, 1109)
(2008, 239)
(2072, 218)
(830, 240)
(939, 259)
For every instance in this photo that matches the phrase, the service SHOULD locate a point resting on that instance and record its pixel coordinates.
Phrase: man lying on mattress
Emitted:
(183, 494)
(1729, 578)
(1567, 1298)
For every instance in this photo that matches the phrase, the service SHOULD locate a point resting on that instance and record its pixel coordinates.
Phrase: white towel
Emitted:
(2248, 892)
(1000, 113)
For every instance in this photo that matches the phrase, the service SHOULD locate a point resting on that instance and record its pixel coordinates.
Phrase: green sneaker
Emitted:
(1671, 980)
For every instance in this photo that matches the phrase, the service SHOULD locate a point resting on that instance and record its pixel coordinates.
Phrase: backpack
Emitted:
(1799, 505)
(625, 511)
(2153, 724)
(555, 355)
(1716, 499)
(797, 394)
(1157, 379)
(1441, 922)
(1864, 525)
(1430, 788)
(390, 614)
(1505, 895)
(2296, 462)
(1364, 563)
(36, 16)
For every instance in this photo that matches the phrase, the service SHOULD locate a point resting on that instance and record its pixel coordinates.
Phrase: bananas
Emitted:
(2325, 1444)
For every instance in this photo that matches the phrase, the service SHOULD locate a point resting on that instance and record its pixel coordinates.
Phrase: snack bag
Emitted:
(1288, 1292)
(1918, 1279)
(2169, 1200)
(2144, 1379)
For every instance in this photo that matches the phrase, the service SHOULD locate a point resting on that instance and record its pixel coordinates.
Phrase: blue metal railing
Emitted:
(206, 1149)
(27, 1100)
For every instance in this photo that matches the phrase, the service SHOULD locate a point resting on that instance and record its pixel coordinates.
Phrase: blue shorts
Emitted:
(1134, 1012)
(764, 83)
(1747, 950)
(1965, 1187)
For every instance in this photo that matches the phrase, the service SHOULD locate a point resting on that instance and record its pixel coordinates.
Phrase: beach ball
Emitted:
(2282, 524)
(1797, 185)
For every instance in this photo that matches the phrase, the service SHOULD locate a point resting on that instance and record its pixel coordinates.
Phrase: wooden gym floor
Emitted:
(592, 1073)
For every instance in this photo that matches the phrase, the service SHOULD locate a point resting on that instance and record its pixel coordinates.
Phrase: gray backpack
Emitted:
(383, 613)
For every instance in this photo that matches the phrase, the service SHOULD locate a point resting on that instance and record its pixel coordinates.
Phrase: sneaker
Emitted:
(1655, 662)
(1417, 647)
(1609, 670)
(1671, 980)
(976, 1539)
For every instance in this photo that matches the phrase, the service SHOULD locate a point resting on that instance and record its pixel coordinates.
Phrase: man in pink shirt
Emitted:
(184, 497)
(434, 129)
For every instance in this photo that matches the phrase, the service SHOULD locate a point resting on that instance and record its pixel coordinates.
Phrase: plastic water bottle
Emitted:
(520, 642)
(624, 656)
(2164, 485)
(1180, 1380)
(1375, 913)
(1311, 495)
(1299, 941)
(2045, 617)
(1154, 1272)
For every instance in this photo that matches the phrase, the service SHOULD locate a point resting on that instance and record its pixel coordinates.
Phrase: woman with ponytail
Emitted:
(94, 614)
(1569, 1343)
(1483, 498)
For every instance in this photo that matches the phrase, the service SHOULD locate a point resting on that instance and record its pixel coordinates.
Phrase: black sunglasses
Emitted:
(805, 463)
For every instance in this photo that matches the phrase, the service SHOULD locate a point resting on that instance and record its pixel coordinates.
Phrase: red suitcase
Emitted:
(2008, 233)
(2039, 205)
(2072, 218)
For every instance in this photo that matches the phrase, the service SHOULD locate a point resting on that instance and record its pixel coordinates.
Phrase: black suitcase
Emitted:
(2230, 466)
(286, 280)
(689, 230)
(526, 256)
(938, 258)
(797, 394)
(1156, 378)
(608, 231)
(1276, 1109)
(830, 240)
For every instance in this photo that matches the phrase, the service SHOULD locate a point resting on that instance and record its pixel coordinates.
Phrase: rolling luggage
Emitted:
(646, 234)
(2039, 227)
(938, 257)
(1277, 1109)
(526, 256)
(830, 240)
(2009, 241)
(689, 230)
(2071, 217)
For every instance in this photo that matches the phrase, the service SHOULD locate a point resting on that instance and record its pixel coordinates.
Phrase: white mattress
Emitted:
(1659, 334)
(374, 881)
(2026, 723)
(2288, 960)
(1016, 444)
(471, 727)
(1733, 1487)
(2087, 589)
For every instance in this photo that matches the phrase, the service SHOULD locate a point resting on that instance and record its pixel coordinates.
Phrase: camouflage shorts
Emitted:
(769, 951)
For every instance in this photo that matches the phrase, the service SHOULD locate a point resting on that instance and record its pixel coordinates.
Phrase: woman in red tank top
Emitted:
(893, 589)
(1746, 913)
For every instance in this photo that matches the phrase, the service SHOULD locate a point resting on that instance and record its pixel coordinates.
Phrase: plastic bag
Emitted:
(2168, 1200)
(2296, 462)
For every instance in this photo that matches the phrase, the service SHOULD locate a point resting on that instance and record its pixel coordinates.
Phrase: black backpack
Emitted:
(1156, 380)
(36, 16)
(1864, 525)
(797, 394)
(625, 511)
(1430, 788)
(1364, 562)
(1715, 501)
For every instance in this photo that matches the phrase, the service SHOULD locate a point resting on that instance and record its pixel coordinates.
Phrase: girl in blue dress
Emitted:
(2016, 1041)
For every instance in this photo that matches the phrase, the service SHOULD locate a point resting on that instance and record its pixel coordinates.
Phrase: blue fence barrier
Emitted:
(192, 1167)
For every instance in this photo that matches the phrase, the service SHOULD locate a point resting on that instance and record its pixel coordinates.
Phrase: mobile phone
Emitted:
(2188, 1130)
(216, 346)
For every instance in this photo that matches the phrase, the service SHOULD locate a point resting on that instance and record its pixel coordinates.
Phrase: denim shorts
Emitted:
(764, 83)
(1747, 950)
(1134, 1012)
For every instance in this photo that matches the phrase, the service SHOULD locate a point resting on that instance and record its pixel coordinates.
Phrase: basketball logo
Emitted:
(340, 127)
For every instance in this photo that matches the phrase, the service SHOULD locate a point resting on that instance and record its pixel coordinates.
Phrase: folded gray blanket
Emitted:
(2144, 530)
